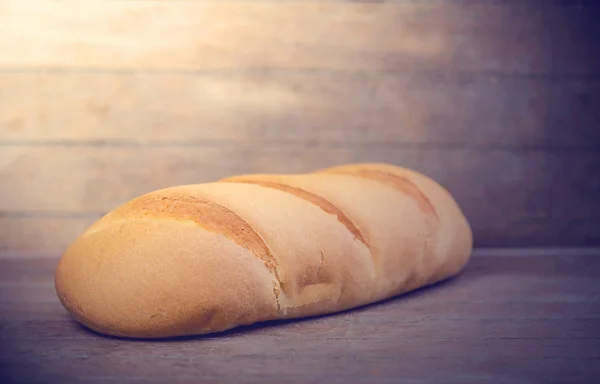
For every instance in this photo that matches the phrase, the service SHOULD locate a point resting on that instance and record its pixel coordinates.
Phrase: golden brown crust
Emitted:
(149, 277)
(203, 258)
(384, 206)
(319, 201)
(396, 181)
(321, 264)
(421, 271)
(454, 238)
(208, 215)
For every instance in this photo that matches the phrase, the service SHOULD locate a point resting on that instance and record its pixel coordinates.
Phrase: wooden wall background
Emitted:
(101, 101)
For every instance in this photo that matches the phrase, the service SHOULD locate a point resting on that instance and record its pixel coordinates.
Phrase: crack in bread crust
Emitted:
(317, 200)
(211, 217)
(399, 183)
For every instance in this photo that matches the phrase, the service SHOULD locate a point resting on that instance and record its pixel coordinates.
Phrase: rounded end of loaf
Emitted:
(149, 278)
(454, 236)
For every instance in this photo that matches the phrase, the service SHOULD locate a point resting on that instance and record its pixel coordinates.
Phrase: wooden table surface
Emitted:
(513, 316)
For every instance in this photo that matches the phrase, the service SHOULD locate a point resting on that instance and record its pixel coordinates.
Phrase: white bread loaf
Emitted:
(196, 259)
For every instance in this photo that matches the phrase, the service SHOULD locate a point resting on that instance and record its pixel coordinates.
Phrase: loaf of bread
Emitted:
(197, 259)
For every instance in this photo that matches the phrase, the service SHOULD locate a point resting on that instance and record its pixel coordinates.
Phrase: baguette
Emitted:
(204, 258)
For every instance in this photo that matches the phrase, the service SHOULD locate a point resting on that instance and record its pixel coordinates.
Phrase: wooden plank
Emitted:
(511, 198)
(275, 107)
(344, 358)
(575, 35)
(189, 35)
(522, 185)
(540, 232)
(93, 355)
(515, 325)
(270, 365)
(574, 111)
(41, 234)
(385, 346)
(90, 179)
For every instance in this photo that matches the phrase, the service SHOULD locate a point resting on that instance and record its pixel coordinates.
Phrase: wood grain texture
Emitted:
(514, 316)
(96, 179)
(574, 111)
(274, 106)
(104, 100)
(515, 198)
(197, 35)
(574, 32)
(42, 234)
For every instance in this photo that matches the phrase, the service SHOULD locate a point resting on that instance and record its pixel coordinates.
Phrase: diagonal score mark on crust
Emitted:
(211, 217)
(400, 183)
(317, 200)
(406, 186)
